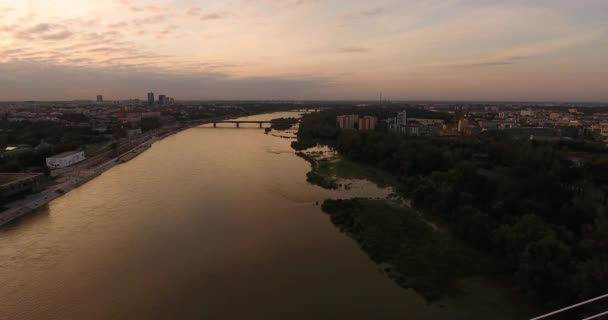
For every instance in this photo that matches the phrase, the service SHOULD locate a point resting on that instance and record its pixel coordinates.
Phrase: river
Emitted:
(208, 224)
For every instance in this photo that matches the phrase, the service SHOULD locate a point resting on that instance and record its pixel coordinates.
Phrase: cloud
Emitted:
(57, 36)
(301, 2)
(369, 13)
(39, 28)
(198, 12)
(118, 25)
(40, 31)
(353, 50)
(194, 11)
(11, 51)
(213, 16)
(491, 63)
(372, 12)
(154, 19)
(37, 81)
(272, 38)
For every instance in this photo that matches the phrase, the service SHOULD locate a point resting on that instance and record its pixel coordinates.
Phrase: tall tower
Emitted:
(99, 98)
(150, 99)
(161, 99)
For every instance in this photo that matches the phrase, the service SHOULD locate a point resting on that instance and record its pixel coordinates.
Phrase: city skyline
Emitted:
(305, 50)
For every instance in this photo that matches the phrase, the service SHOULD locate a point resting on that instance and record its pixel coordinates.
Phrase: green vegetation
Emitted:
(524, 202)
(148, 124)
(327, 171)
(37, 140)
(419, 257)
(300, 145)
(318, 175)
(283, 123)
(321, 126)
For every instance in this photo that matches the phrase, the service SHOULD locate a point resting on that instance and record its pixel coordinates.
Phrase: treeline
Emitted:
(519, 200)
(38, 140)
(283, 123)
(411, 251)
(321, 126)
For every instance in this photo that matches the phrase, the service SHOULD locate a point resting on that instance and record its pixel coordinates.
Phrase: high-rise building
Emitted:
(368, 123)
(347, 121)
(161, 99)
(150, 99)
(401, 118)
(100, 98)
(401, 122)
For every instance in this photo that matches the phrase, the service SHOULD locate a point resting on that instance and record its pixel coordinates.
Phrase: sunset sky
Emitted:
(553, 50)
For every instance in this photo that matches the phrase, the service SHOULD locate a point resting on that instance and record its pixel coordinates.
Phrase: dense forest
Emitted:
(535, 206)
(283, 123)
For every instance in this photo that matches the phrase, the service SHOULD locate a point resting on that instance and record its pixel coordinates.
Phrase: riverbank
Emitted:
(73, 177)
(69, 178)
(407, 248)
(64, 185)
(417, 251)
(179, 201)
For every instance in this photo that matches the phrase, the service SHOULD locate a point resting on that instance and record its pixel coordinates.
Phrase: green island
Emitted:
(526, 213)
(283, 123)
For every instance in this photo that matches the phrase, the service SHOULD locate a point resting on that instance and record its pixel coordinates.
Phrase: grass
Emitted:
(346, 169)
(326, 172)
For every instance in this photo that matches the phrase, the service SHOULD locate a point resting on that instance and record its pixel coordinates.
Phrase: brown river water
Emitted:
(209, 224)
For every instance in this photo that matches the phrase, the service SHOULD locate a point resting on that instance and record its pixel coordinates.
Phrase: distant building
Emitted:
(150, 99)
(527, 113)
(161, 99)
(133, 132)
(488, 124)
(399, 123)
(401, 119)
(601, 129)
(555, 116)
(368, 123)
(100, 98)
(347, 121)
(65, 159)
(416, 129)
(427, 122)
(144, 115)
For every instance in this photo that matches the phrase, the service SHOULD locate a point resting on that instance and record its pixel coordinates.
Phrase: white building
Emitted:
(65, 159)
(401, 119)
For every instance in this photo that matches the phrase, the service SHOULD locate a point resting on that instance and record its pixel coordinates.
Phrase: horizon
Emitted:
(106, 100)
(479, 50)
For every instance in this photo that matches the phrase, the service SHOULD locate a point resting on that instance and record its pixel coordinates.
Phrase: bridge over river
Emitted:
(239, 122)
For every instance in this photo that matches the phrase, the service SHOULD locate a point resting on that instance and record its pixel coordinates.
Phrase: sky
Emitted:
(540, 50)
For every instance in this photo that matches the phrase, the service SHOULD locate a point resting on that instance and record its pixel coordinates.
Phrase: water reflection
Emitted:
(209, 223)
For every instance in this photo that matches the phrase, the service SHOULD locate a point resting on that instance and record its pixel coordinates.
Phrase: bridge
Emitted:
(239, 122)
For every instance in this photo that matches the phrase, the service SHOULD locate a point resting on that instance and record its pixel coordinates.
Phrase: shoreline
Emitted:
(32, 202)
